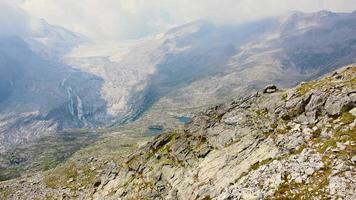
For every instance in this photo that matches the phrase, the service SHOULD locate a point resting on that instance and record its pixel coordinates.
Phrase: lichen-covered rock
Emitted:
(335, 105)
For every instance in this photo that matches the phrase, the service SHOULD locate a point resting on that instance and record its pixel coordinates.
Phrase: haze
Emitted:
(118, 20)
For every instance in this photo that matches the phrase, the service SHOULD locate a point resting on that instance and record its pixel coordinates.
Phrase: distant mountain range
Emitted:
(49, 81)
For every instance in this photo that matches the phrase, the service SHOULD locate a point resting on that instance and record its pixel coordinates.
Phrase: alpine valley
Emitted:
(200, 111)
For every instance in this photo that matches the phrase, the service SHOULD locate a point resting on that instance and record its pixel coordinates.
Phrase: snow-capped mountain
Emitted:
(202, 63)
(56, 79)
(52, 41)
(296, 47)
(39, 94)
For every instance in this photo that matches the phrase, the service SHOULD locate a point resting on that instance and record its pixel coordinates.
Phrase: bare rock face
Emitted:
(270, 89)
(338, 104)
(246, 150)
(277, 145)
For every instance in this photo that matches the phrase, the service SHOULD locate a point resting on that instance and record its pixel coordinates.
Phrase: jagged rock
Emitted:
(167, 172)
(70, 180)
(309, 171)
(353, 159)
(204, 151)
(315, 105)
(97, 183)
(160, 141)
(173, 195)
(335, 105)
(340, 146)
(270, 89)
(353, 111)
(337, 75)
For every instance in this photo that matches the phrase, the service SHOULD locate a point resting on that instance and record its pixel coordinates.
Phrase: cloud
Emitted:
(130, 19)
(13, 20)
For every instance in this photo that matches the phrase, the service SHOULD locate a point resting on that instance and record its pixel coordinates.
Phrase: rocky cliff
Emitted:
(296, 143)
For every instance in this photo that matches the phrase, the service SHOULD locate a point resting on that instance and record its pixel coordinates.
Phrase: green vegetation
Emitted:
(49, 162)
(261, 163)
(347, 118)
(4, 193)
(70, 176)
(340, 136)
(261, 112)
(315, 188)
(44, 154)
(329, 82)
(77, 173)
(284, 96)
(59, 177)
(9, 173)
(317, 183)
(207, 198)
(306, 87)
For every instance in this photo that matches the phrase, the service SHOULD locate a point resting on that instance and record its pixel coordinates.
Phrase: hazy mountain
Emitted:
(294, 48)
(53, 41)
(39, 96)
(56, 79)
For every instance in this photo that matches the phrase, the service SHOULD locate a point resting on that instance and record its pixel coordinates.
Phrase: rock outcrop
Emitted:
(286, 144)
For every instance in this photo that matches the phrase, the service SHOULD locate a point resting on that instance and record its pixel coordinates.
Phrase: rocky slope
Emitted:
(297, 143)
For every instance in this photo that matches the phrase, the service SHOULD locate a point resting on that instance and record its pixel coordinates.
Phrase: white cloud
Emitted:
(127, 19)
(13, 20)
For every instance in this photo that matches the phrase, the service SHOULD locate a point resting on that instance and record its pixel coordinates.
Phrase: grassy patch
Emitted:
(10, 173)
(261, 112)
(284, 96)
(261, 163)
(4, 193)
(49, 162)
(348, 80)
(71, 176)
(339, 136)
(314, 189)
(347, 118)
(306, 87)
(59, 177)
(316, 133)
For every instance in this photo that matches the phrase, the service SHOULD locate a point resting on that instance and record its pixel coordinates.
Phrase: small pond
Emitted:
(184, 119)
(155, 130)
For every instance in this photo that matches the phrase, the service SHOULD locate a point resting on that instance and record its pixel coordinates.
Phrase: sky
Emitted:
(133, 19)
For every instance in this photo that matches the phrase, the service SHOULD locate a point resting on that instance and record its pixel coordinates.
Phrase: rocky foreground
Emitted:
(298, 143)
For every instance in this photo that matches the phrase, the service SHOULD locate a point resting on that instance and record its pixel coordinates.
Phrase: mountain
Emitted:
(294, 48)
(53, 42)
(190, 76)
(40, 96)
(198, 63)
(54, 80)
(296, 143)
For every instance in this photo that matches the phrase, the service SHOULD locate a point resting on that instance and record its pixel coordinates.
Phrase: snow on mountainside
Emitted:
(53, 41)
(40, 95)
(298, 47)
(35, 103)
(56, 79)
